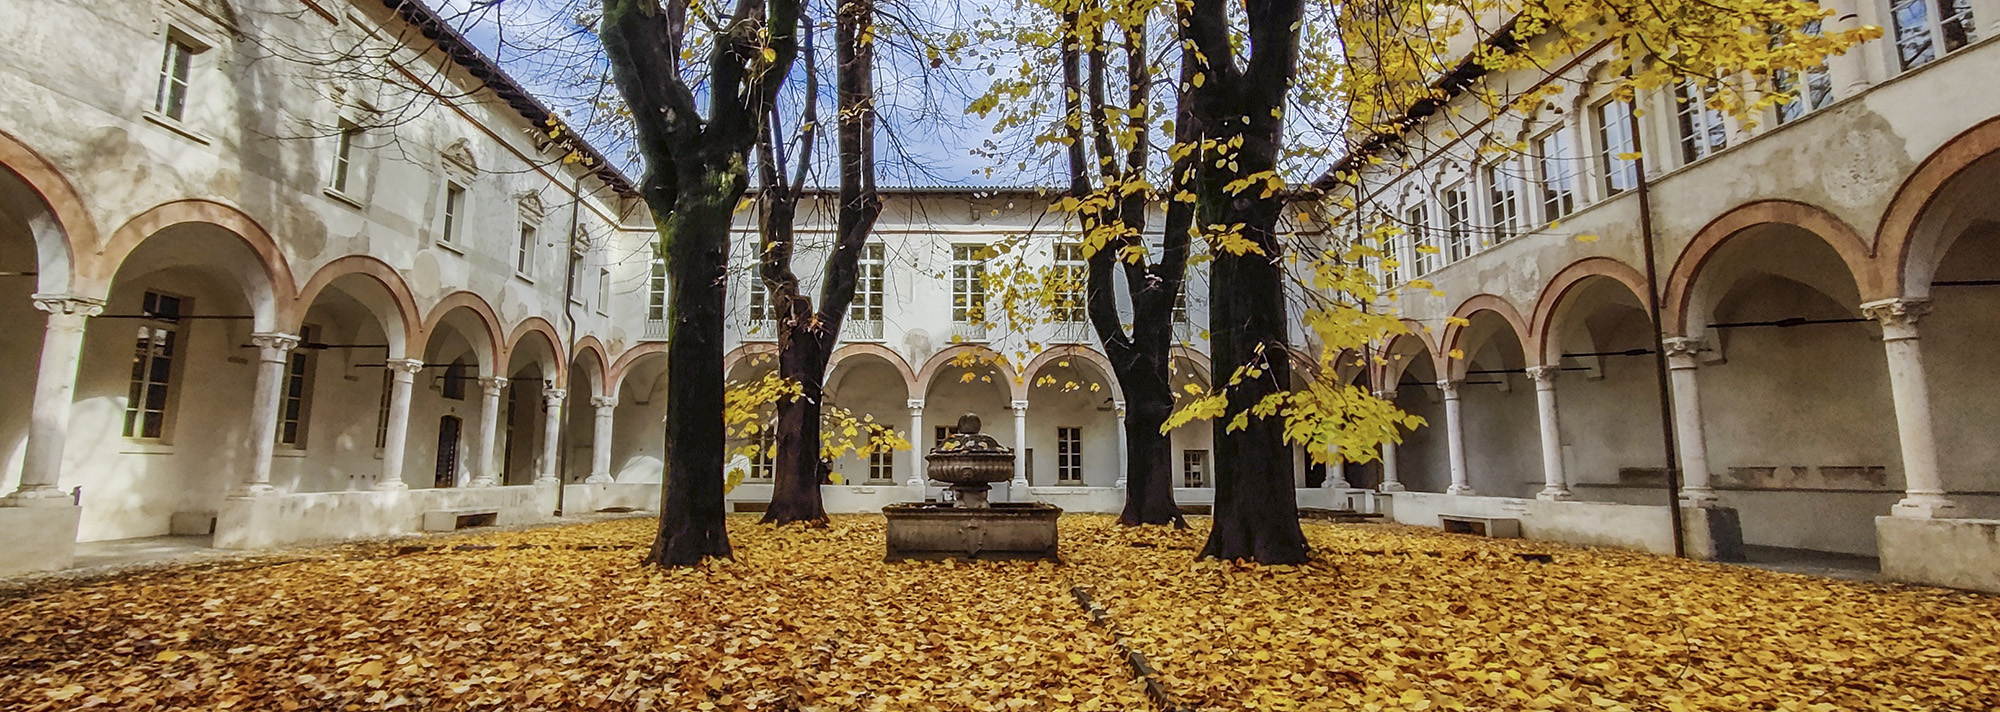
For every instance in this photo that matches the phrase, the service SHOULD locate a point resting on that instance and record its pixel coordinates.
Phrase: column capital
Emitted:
(405, 365)
(492, 385)
(1682, 351)
(1019, 407)
(1119, 406)
(1898, 317)
(68, 304)
(1387, 395)
(1449, 387)
(1545, 376)
(603, 401)
(916, 405)
(274, 341)
(554, 396)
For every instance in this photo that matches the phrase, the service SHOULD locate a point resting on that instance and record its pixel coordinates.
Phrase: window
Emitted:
(1614, 134)
(882, 465)
(454, 207)
(1416, 220)
(764, 462)
(171, 98)
(153, 367)
(1702, 130)
(1194, 468)
(298, 384)
(343, 155)
(575, 285)
(940, 433)
(1180, 304)
(1070, 276)
(382, 410)
(868, 285)
(1457, 222)
(1920, 24)
(760, 300)
(656, 287)
(968, 284)
(1503, 189)
(603, 290)
(453, 387)
(524, 251)
(1069, 454)
(1818, 89)
(1558, 161)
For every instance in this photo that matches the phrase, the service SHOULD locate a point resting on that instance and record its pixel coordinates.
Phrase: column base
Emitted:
(257, 490)
(1120, 484)
(481, 482)
(1461, 490)
(1702, 498)
(548, 480)
(1555, 494)
(1926, 506)
(916, 483)
(1392, 487)
(1019, 484)
(38, 497)
(395, 486)
(598, 479)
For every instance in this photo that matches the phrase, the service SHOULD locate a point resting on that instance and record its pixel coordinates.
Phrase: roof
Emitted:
(468, 56)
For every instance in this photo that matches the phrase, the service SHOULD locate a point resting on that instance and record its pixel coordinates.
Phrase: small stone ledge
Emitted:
(1955, 553)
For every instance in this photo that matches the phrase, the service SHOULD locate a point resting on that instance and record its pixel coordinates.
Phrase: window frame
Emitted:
(141, 384)
(1613, 138)
(968, 284)
(1695, 120)
(1504, 179)
(1194, 468)
(451, 213)
(1456, 199)
(1069, 454)
(1071, 271)
(871, 277)
(296, 400)
(524, 251)
(343, 157)
(1933, 34)
(1416, 231)
(176, 75)
(1556, 174)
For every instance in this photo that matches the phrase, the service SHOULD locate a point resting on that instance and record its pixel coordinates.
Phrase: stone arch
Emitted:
(1542, 323)
(1909, 256)
(895, 360)
(1066, 351)
(57, 253)
(97, 275)
(1842, 238)
(1016, 385)
(1199, 359)
(1455, 334)
(494, 349)
(597, 358)
(631, 357)
(1388, 370)
(411, 323)
(537, 326)
(747, 352)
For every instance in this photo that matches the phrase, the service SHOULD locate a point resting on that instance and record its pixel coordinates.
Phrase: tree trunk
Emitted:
(802, 358)
(1149, 454)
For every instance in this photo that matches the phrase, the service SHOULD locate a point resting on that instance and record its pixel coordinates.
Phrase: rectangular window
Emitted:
(1194, 468)
(1416, 220)
(882, 465)
(764, 462)
(656, 287)
(382, 410)
(760, 300)
(1070, 274)
(1817, 92)
(1702, 130)
(1921, 25)
(454, 211)
(343, 155)
(1180, 305)
(1457, 222)
(603, 290)
(1614, 134)
(968, 284)
(940, 433)
(869, 285)
(1503, 189)
(153, 367)
(524, 251)
(298, 387)
(1069, 454)
(455, 377)
(1558, 173)
(171, 98)
(576, 271)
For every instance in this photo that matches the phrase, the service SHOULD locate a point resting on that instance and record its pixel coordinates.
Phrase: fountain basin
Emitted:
(1002, 531)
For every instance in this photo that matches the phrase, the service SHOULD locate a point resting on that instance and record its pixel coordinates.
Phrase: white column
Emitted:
(917, 448)
(600, 440)
(1122, 464)
(402, 375)
(1020, 484)
(1875, 61)
(1691, 443)
(1391, 479)
(1923, 484)
(55, 390)
(1454, 438)
(486, 471)
(1555, 484)
(552, 397)
(273, 351)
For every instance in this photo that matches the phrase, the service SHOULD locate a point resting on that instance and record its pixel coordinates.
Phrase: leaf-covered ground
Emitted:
(1384, 618)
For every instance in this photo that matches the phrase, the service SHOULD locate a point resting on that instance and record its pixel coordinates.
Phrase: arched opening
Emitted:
(534, 371)
(34, 259)
(1600, 336)
(456, 357)
(871, 388)
(977, 385)
(1497, 402)
(745, 372)
(329, 413)
(1074, 428)
(1794, 392)
(1194, 464)
(1423, 463)
(639, 440)
(585, 384)
(161, 416)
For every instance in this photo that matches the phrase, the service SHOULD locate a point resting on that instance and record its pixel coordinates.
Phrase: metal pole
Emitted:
(1653, 298)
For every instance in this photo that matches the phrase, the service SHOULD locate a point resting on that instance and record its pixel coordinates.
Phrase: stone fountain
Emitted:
(971, 527)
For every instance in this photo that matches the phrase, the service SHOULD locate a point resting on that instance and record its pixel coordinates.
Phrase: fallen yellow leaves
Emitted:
(812, 619)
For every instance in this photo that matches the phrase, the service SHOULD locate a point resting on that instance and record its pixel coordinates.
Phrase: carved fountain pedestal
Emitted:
(971, 527)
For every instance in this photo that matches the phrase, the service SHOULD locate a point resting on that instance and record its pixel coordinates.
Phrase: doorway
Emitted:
(447, 451)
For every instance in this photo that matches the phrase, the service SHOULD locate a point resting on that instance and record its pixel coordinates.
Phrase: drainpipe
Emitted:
(1659, 334)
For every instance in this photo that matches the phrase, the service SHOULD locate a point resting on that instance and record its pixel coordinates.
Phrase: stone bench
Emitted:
(1495, 527)
(444, 520)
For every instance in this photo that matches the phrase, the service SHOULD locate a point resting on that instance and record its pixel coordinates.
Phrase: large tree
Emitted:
(697, 170)
(806, 337)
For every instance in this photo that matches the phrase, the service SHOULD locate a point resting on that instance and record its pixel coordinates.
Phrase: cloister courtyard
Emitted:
(1383, 617)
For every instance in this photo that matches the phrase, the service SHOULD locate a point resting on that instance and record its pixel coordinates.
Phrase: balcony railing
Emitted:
(1185, 333)
(760, 330)
(1071, 332)
(656, 329)
(859, 330)
(966, 332)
